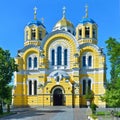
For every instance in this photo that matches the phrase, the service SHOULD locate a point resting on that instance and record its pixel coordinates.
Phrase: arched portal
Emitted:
(58, 97)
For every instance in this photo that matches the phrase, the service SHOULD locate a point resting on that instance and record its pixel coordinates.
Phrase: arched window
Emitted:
(84, 87)
(69, 31)
(29, 62)
(35, 87)
(35, 62)
(90, 61)
(89, 84)
(53, 57)
(59, 55)
(65, 57)
(87, 32)
(84, 61)
(33, 34)
(30, 87)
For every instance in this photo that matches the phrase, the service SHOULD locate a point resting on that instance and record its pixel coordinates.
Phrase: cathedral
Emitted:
(56, 68)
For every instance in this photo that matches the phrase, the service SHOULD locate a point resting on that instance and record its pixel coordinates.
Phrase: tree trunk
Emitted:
(1, 109)
(8, 108)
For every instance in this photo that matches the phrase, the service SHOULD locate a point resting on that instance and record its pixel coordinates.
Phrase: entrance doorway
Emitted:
(58, 97)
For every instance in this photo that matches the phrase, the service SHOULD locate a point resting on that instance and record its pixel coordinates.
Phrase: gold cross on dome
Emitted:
(64, 12)
(86, 11)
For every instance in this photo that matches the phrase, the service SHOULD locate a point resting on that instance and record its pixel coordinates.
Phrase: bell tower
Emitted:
(86, 30)
(34, 31)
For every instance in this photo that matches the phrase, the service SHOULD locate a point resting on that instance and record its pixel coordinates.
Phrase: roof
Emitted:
(63, 23)
(87, 20)
(35, 22)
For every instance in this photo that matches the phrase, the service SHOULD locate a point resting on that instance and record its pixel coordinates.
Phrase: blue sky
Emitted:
(15, 14)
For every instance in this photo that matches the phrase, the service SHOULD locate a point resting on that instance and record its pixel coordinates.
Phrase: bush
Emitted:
(89, 94)
(117, 113)
(93, 108)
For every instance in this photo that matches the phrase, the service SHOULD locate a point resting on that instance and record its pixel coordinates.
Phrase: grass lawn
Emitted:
(102, 113)
(107, 115)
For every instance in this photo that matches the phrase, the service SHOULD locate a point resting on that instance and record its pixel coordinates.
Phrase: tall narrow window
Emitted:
(84, 61)
(89, 84)
(65, 57)
(59, 55)
(30, 87)
(80, 33)
(33, 34)
(29, 62)
(90, 61)
(94, 33)
(84, 87)
(40, 35)
(35, 87)
(87, 32)
(35, 62)
(53, 57)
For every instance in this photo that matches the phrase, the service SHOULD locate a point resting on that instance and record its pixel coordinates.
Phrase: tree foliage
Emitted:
(113, 51)
(7, 67)
(112, 95)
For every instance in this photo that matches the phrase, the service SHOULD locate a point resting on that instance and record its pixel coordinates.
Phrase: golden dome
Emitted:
(64, 23)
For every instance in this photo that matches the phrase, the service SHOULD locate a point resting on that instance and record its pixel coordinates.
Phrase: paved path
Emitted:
(52, 113)
(48, 113)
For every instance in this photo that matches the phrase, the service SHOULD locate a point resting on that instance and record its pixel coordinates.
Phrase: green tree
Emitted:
(113, 51)
(7, 67)
(112, 95)
(8, 96)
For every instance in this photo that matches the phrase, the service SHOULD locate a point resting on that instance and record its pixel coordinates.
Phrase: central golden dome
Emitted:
(63, 23)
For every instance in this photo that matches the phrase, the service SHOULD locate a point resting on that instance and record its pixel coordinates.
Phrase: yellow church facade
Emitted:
(56, 68)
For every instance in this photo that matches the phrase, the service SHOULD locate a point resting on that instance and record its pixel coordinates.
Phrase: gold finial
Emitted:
(35, 13)
(42, 19)
(86, 11)
(64, 12)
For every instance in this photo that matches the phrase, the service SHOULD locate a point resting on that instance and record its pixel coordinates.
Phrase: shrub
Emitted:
(93, 108)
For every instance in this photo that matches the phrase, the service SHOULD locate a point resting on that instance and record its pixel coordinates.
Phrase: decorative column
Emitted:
(55, 57)
(62, 57)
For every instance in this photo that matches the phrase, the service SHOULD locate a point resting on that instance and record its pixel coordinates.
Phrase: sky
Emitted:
(15, 14)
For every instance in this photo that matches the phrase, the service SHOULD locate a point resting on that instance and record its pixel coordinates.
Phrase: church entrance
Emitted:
(58, 97)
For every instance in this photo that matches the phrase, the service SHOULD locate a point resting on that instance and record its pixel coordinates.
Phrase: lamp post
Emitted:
(42, 87)
(73, 94)
(43, 96)
(74, 86)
